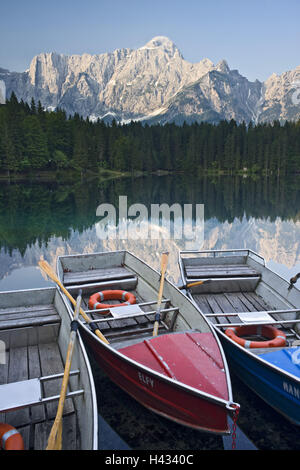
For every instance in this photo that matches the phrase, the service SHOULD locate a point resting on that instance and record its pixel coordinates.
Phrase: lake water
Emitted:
(51, 219)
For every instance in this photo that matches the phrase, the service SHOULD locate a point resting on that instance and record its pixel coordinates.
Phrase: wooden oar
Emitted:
(192, 284)
(55, 437)
(164, 262)
(49, 271)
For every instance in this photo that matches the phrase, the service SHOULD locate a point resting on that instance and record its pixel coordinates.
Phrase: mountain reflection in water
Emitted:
(53, 219)
(47, 220)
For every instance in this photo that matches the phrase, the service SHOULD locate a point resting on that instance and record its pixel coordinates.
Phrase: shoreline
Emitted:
(105, 174)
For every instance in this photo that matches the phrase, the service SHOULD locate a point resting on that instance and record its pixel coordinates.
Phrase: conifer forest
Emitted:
(33, 139)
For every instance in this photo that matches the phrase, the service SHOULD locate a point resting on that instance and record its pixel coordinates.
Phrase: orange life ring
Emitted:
(276, 337)
(10, 438)
(96, 299)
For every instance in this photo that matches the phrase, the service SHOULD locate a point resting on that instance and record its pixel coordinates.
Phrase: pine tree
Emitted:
(36, 148)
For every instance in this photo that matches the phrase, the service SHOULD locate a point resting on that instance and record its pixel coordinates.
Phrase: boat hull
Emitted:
(160, 395)
(273, 385)
(263, 298)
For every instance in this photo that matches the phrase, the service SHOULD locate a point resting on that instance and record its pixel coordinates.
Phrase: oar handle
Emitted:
(74, 322)
(193, 284)
(49, 271)
(55, 437)
(294, 279)
(164, 262)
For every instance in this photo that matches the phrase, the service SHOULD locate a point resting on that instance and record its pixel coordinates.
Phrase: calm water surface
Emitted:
(51, 219)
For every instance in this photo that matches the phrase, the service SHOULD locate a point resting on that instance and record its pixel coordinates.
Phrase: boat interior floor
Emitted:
(123, 329)
(133, 336)
(134, 328)
(231, 303)
(32, 351)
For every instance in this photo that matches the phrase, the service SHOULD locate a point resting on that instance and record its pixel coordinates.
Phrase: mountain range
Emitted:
(152, 84)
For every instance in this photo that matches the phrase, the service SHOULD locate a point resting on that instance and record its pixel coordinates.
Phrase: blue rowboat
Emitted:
(256, 315)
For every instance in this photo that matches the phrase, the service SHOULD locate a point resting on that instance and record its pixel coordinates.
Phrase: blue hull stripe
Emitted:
(278, 389)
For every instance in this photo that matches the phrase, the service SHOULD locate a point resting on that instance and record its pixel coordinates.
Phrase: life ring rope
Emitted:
(276, 338)
(96, 300)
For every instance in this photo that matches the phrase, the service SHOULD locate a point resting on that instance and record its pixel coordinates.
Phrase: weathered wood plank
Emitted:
(220, 271)
(262, 305)
(37, 411)
(95, 275)
(22, 322)
(257, 301)
(216, 308)
(25, 433)
(217, 267)
(226, 307)
(236, 303)
(24, 310)
(249, 305)
(69, 433)
(28, 315)
(201, 301)
(212, 260)
(51, 363)
(17, 371)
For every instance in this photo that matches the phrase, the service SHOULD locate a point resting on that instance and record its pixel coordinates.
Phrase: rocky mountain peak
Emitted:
(222, 66)
(152, 82)
(163, 43)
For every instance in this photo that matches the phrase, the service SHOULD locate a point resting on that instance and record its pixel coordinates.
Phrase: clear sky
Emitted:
(257, 37)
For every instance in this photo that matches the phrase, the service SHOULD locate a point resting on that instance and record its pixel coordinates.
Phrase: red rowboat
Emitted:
(182, 372)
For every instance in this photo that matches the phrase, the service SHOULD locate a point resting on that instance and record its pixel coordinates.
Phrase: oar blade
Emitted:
(55, 437)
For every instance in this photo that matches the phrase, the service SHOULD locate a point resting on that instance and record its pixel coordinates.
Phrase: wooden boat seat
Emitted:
(220, 271)
(97, 275)
(223, 277)
(17, 317)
